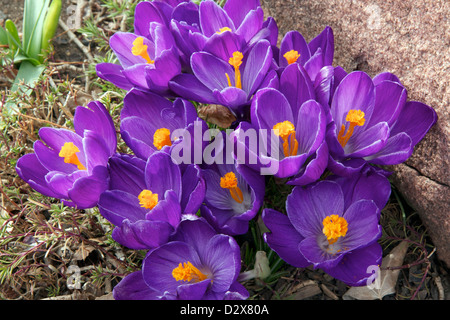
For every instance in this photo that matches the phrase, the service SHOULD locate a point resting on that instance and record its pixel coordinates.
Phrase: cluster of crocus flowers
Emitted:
(307, 123)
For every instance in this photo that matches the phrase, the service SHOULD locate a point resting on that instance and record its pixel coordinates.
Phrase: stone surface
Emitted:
(410, 38)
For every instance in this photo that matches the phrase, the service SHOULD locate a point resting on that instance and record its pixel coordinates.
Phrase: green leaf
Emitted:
(28, 74)
(50, 23)
(3, 36)
(33, 21)
(13, 35)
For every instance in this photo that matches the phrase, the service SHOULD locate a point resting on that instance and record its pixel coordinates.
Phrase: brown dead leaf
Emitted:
(83, 251)
(217, 114)
(385, 284)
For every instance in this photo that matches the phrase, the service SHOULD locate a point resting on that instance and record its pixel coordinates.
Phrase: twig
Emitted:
(73, 37)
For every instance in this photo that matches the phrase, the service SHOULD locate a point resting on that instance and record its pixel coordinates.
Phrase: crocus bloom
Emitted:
(201, 27)
(234, 194)
(372, 122)
(331, 227)
(148, 121)
(296, 124)
(147, 61)
(146, 199)
(72, 166)
(196, 264)
(231, 82)
(316, 57)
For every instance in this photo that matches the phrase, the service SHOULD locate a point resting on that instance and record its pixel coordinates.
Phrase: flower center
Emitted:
(140, 49)
(222, 30)
(148, 199)
(291, 56)
(236, 61)
(334, 227)
(286, 131)
(161, 138)
(68, 152)
(355, 118)
(229, 181)
(187, 272)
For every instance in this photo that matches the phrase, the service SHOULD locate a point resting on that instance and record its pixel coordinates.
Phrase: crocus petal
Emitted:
(193, 186)
(158, 265)
(354, 269)
(308, 207)
(313, 169)
(231, 97)
(323, 85)
(211, 70)
(133, 287)
(363, 228)
(314, 254)
(389, 102)
(143, 105)
(33, 172)
(385, 76)
(256, 67)
(237, 10)
(293, 40)
(296, 86)
(96, 118)
(396, 150)
(168, 210)
(346, 167)
(222, 256)
(251, 25)
(167, 66)
(222, 45)
(138, 135)
(324, 41)
(95, 149)
(270, 107)
(147, 12)
(137, 75)
(113, 73)
(213, 18)
(361, 186)
(162, 174)
(368, 142)
(283, 238)
(142, 234)
(355, 91)
(51, 160)
(415, 120)
(122, 42)
(126, 173)
(86, 191)
(189, 87)
(310, 127)
(118, 205)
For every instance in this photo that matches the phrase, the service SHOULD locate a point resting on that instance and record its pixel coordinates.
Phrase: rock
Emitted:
(410, 39)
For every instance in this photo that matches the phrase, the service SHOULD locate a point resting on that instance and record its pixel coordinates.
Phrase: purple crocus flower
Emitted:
(149, 121)
(296, 125)
(316, 57)
(146, 199)
(332, 225)
(147, 61)
(373, 122)
(234, 194)
(196, 264)
(230, 83)
(202, 27)
(72, 166)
